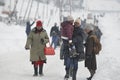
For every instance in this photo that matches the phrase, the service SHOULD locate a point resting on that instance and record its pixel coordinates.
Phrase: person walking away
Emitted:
(36, 41)
(54, 33)
(90, 57)
(66, 36)
(97, 31)
(28, 27)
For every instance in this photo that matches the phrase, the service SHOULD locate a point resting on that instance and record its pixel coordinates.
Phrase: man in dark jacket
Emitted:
(77, 40)
(28, 27)
(54, 33)
(90, 57)
(98, 32)
(66, 36)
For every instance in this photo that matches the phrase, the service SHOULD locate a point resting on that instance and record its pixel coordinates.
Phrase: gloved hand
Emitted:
(44, 61)
(42, 40)
(61, 57)
(70, 43)
(85, 44)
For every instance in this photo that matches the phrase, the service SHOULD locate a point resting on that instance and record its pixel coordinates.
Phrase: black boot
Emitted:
(92, 72)
(35, 71)
(74, 74)
(71, 71)
(67, 73)
(41, 70)
(89, 78)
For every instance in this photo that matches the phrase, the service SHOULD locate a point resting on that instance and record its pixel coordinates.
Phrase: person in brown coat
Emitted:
(90, 57)
(36, 41)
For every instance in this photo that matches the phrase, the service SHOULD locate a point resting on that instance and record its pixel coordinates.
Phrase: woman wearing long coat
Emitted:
(36, 42)
(90, 57)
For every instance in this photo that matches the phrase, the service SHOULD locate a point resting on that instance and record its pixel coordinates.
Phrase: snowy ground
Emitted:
(15, 65)
(14, 59)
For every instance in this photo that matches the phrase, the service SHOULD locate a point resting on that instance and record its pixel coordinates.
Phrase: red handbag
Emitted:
(49, 50)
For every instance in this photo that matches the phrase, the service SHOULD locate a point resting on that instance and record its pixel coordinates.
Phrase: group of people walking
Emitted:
(77, 45)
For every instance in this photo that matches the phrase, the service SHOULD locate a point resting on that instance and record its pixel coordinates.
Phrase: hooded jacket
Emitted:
(67, 30)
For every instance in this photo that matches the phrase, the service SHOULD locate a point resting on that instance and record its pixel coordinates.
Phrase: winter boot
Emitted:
(35, 71)
(92, 72)
(67, 74)
(89, 78)
(71, 71)
(41, 70)
(81, 57)
(74, 75)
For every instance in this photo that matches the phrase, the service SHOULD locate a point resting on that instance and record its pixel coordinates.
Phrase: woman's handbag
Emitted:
(49, 50)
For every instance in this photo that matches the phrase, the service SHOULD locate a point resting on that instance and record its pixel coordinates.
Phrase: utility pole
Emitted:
(47, 9)
(37, 9)
(14, 12)
(43, 12)
(70, 3)
(30, 9)
(60, 10)
(21, 8)
(26, 10)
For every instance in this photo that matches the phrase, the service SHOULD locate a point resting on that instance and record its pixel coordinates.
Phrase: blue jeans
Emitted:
(55, 41)
(66, 54)
(74, 63)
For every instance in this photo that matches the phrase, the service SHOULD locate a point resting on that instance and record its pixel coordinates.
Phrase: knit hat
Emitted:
(38, 23)
(90, 21)
(78, 20)
(69, 18)
(89, 26)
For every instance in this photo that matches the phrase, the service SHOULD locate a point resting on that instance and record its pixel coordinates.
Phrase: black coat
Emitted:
(54, 30)
(78, 38)
(90, 57)
(98, 32)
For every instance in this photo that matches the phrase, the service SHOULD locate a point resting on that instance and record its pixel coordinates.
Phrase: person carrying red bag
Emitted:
(36, 42)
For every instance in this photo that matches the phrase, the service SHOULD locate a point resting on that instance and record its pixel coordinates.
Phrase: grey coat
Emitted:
(35, 44)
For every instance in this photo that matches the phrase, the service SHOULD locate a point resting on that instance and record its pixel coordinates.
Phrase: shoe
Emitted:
(41, 74)
(67, 76)
(35, 75)
(71, 71)
(89, 78)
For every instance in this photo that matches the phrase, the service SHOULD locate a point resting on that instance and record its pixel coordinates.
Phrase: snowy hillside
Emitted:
(45, 12)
